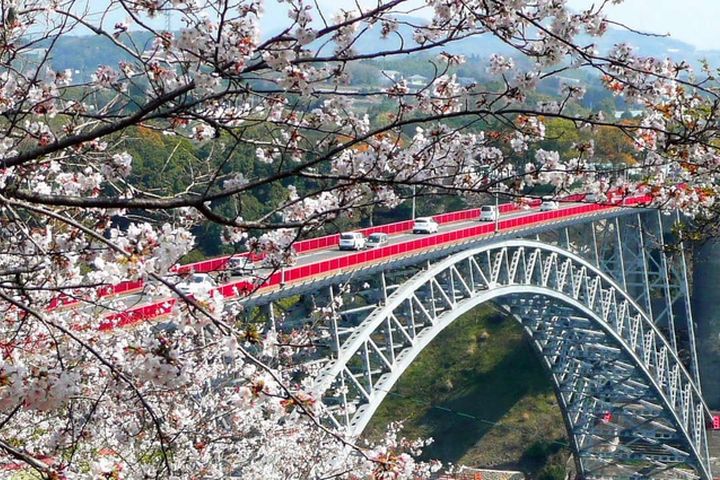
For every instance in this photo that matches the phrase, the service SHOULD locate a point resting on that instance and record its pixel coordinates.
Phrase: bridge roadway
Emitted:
(135, 299)
(327, 258)
(335, 252)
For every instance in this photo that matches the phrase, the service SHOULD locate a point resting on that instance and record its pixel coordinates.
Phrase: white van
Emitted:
(488, 213)
(352, 241)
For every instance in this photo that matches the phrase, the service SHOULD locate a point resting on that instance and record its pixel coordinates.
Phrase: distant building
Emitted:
(468, 473)
(568, 80)
(38, 52)
(618, 114)
(417, 80)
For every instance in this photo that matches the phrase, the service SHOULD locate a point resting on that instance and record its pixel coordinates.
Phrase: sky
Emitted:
(692, 21)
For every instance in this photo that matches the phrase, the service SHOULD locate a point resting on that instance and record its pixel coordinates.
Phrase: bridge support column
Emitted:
(631, 408)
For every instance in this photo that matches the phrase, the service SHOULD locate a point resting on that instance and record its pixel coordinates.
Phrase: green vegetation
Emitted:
(706, 276)
(171, 164)
(480, 391)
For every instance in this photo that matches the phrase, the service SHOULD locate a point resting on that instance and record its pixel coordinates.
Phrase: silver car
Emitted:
(377, 240)
(198, 282)
(240, 265)
(548, 205)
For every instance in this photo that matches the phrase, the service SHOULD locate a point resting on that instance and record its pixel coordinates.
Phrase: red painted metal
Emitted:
(204, 266)
(326, 241)
(138, 314)
(294, 274)
(303, 246)
(122, 288)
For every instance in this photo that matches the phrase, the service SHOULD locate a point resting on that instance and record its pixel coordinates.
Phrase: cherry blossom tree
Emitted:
(207, 396)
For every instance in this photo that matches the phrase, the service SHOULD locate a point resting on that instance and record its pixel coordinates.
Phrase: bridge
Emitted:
(599, 290)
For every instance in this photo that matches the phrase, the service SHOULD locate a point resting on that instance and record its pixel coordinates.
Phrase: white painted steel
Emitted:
(528, 268)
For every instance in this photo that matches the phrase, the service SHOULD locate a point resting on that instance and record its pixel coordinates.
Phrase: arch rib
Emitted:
(549, 272)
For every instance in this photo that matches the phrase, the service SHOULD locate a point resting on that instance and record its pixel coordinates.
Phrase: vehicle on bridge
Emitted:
(196, 283)
(548, 204)
(352, 241)
(240, 265)
(592, 197)
(377, 239)
(488, 213)
(425, 225)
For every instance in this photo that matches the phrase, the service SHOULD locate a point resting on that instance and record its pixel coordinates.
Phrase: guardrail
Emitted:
(303, 246)
(402, 226)
(326, 241)
(298, 273)
(138, 314)
(122, 288)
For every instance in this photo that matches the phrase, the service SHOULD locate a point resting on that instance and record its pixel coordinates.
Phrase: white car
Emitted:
(488, 213)
(198, 282)
(425, 225)
(592, 198)
(548, 205)
(240, 265)
(352, 241)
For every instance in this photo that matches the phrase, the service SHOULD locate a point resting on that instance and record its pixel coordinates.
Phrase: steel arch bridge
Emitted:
(603, 299)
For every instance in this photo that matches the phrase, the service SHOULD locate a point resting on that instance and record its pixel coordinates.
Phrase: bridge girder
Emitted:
(606, 308)
(576, 316)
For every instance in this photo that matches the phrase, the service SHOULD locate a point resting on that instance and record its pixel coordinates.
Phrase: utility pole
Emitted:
(497, 213)
(413, 202)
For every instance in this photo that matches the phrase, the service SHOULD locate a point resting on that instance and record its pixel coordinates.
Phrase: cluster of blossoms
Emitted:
(313, 209)
(500, 64)
(207, 393)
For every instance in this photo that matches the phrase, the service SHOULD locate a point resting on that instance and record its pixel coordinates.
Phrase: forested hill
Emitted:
(169, 161)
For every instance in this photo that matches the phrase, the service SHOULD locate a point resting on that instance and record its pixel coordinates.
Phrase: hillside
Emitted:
(480, 392)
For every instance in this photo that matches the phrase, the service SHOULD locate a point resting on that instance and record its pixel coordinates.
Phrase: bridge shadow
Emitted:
(479, 391)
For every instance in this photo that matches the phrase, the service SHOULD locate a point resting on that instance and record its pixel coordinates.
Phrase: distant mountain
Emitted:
(486, 45)
(84, 54)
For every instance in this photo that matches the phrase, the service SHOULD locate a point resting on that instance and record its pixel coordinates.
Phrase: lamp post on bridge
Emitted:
(497, 213)
(413, 202)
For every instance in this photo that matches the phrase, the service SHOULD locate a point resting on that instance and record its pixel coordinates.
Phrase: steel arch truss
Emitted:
(631, 408)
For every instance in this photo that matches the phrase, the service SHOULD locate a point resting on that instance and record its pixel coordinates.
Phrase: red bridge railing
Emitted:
(303, 246)
(295, 274)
